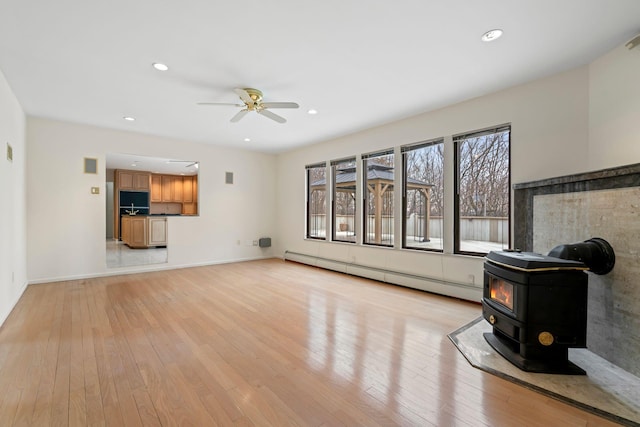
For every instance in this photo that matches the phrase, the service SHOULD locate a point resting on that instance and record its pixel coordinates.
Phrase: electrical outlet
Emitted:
(255, 243)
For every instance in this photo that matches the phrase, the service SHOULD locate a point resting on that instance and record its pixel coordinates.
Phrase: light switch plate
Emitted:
(9, 152)
(95, 190)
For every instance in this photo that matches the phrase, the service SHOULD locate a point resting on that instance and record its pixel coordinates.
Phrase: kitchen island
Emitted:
(144, 231)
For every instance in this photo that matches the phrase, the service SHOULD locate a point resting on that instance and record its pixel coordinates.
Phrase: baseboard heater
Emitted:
(425, 283)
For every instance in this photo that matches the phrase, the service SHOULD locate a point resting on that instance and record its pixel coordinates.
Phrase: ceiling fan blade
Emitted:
(221, 103)
(240, 114)
(272, 116)
(244, 95)
(280, 105)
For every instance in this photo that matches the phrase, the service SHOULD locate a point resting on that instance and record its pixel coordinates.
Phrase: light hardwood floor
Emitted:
(255, 343)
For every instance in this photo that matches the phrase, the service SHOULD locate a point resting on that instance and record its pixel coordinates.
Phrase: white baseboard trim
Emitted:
(140, 269)
(425, 283)
(12, 305)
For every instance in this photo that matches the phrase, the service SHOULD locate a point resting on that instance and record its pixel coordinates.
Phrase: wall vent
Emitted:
(264, 242)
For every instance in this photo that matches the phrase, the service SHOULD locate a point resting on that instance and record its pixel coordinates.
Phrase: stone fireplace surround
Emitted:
(574, 208)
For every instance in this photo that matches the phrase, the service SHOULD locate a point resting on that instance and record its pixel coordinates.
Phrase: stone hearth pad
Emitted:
(606, 390)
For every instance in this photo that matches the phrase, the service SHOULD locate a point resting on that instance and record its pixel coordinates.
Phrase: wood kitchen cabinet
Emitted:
(156, 188)
(134, 231)
(125, 228)
(177, 189)
(167, 188)
(190, 195)
(157, 231)
(127, 180)
(172, 188)
(195, 189)
(138, 232)
(141, 181)
(132, 180)
(189, 209)
(144, 231)
(187, 189)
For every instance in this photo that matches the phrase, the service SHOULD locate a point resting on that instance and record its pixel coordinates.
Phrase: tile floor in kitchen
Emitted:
(121, 255)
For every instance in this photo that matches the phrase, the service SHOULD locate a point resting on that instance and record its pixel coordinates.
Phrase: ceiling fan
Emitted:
(252, 99)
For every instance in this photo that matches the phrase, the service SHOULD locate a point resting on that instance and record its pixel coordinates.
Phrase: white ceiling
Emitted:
(151, 164)
(360, 63)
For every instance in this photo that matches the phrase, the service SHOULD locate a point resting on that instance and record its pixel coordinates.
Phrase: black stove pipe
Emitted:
(596, 253)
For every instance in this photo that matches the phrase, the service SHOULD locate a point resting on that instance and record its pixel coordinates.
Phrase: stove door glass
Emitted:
(501, 292)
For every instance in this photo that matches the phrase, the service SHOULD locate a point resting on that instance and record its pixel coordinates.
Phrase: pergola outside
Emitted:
(380, 182)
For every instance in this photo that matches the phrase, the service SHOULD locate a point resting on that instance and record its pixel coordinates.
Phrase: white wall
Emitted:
(577, 121)
(614, 109)
(66, 235)
(549, 119)
(13, 226)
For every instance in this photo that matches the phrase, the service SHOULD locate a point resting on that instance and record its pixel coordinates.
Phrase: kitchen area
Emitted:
(138, 204)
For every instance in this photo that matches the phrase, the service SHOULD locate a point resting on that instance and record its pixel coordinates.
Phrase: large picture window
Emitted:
(378, 173)
(316, 201)
(482, 191)
(423, 195)
(344, 200)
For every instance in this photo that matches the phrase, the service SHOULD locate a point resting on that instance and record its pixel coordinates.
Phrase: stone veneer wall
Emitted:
(575, 208)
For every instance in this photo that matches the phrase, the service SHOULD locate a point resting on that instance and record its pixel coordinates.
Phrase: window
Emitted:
(482, 196)
(344, 200)
(378, 198)
(423, 195)
(316, 201)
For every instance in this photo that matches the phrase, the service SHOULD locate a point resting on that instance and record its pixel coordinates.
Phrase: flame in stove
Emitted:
(502, 292)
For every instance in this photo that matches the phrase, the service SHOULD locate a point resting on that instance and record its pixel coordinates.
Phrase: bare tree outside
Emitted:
(424, 196)
(483, 191)
(481, 196)
(316, 202)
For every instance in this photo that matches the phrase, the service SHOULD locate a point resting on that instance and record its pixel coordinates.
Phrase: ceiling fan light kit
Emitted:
(252, 99)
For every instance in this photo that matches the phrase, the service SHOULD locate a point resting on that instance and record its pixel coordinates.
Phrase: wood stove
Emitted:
(537, 304)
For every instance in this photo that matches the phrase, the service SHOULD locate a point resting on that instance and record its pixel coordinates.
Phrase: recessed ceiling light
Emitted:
(491, 35)
(129, 118)
(160, 67)
(247, 140)
(312, 111)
